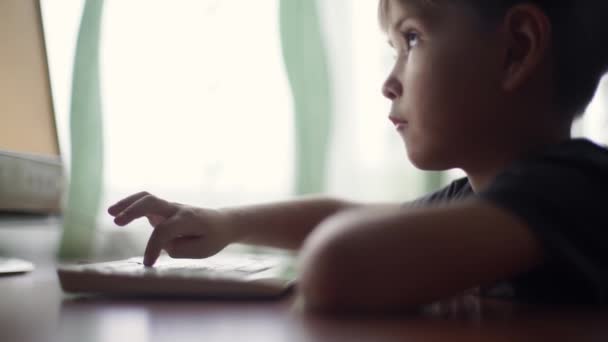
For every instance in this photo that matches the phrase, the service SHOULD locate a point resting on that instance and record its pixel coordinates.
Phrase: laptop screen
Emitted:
(26, 108)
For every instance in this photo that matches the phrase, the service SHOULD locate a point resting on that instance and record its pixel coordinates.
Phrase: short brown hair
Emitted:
(580, 41)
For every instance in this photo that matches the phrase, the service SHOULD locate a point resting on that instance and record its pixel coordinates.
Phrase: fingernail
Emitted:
(118, 219)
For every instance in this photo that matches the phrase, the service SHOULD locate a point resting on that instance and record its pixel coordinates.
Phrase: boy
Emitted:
(491, 87)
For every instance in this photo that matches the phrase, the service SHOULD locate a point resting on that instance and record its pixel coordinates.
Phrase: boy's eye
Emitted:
(411, 39)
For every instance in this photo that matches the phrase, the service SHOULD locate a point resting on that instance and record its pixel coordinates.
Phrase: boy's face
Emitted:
(444, 83)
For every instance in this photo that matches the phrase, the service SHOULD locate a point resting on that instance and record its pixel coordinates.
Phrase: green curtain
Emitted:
(305, 60)
(86, 133)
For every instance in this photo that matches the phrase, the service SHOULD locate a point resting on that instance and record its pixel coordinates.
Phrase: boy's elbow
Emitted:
(331, 279)
(324, 269)
(322, 283)
(330, 283)
(336, 274)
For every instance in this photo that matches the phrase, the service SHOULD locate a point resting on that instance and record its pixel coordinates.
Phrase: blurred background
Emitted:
(220, 103)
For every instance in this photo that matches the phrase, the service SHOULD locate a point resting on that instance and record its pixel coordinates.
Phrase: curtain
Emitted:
(86, 174)
(305, 60)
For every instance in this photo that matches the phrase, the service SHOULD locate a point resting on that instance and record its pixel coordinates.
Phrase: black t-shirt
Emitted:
(561, 193)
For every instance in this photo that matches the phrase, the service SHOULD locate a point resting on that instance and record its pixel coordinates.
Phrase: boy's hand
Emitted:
(183, 231)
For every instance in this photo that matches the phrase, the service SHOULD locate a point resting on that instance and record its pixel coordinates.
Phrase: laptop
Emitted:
(31, 168)
(224, 275)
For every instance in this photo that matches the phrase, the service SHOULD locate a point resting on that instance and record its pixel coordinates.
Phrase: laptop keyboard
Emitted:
(225, 266)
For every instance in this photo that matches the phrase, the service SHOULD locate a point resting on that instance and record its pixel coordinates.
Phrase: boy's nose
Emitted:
(392, 88)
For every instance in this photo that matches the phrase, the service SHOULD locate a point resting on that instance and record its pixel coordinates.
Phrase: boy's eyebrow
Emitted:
(411, 11)
(400, 22)
(415, 9)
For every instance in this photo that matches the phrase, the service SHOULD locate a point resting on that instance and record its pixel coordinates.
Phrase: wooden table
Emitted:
(33, 308)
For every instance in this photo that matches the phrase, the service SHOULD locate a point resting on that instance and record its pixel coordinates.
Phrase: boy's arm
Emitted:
(393, 260)
(190, 232)
(285, 224)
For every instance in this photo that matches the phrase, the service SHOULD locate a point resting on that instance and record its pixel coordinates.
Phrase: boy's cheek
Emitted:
(438, 109)
(438, 93)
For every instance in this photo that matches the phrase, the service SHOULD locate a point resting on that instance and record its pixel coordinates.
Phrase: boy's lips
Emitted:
(398, 122)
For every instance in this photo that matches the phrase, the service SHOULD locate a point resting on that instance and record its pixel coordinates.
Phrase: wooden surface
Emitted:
(33, 308)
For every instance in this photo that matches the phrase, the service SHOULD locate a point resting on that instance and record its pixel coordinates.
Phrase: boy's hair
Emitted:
(580, 42)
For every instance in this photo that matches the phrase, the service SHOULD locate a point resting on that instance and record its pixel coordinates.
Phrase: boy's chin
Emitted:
(426, 159)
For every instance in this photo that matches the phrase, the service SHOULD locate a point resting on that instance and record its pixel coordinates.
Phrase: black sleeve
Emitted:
(564, 205)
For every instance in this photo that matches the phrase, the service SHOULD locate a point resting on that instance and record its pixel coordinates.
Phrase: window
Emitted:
(196, 104)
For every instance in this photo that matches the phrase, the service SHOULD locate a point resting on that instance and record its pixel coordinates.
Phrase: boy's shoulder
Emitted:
(580, 152)
(571, 164)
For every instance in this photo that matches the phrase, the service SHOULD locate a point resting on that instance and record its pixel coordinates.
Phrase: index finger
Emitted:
(164, 233)
(161, 235)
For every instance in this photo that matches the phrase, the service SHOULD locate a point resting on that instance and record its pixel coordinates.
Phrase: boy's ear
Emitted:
(527, 32)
